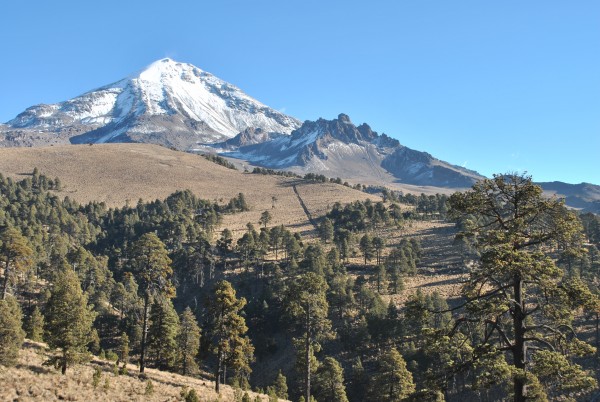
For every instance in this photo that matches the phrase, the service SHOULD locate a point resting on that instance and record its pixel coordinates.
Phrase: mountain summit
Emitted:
(168, 103)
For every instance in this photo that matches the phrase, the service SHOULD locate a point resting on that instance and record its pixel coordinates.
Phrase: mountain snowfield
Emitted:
(168, 103)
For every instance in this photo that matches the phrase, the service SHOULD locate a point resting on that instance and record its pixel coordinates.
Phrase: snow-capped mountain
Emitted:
(168, 103)
(338, 148)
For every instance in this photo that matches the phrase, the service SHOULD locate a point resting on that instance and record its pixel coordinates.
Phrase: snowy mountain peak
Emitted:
(164, 69)
(168, 102)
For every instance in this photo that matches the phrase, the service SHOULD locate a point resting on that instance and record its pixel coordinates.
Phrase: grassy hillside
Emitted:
(31, 381)
(123, 173)
(120, 173)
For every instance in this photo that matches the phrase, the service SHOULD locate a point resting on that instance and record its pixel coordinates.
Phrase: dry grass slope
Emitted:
(121, 173)
(30, 381)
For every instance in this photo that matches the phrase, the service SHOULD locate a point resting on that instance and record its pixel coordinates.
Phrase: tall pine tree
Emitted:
(151, 266)
(227, 331)
(162, 333)
(11, 334)
(329, 382)
(517, 295)
(188, 342)
(68, 320)
(392, 382)
(16, 256)
(307, 306)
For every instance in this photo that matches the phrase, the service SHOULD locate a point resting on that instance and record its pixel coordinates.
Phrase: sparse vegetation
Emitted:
(168, 285)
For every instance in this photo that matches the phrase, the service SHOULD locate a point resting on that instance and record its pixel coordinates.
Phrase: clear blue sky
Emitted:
(494, 86)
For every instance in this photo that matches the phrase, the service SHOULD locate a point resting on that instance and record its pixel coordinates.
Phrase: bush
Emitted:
(96, 377)
(149, 388)
(192, 396)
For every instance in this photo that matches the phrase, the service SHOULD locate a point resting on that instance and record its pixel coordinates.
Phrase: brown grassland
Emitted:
(124, 173)
(29, 380)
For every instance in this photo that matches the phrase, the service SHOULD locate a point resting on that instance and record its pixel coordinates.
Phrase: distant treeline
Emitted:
(219, 160)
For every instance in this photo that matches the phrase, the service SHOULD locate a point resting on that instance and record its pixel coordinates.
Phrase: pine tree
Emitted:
(123, 350)
(396, 283)
(359, 381)
(307, 306)
(378, 246)
(326, 230)
(152, 267)
(162, 333)
(329, 382)
(227, 331)
(381, 277)
(11, 334)
(188, 342)
(516, 294)
(35, 326)
(16, 256)
(68, 320)
(392, 382)
(280, 386)
(366, 247)
(265, 218)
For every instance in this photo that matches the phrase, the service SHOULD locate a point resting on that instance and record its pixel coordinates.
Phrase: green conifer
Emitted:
(188, 342)
(162, 333)
(329, 382)
(68, 320)
(228, 329)
(35, 326)
(11, 334)
(392, 382)
(16, 256)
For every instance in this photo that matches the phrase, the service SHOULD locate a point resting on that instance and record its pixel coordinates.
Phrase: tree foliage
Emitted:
(227, 331)
(68, 320)
(188, 342)
(11, 334)
(307, 306)
(517, 296)
(329, 381)
(162, 333)
(150, 264)
(393, 381)
(16, 256)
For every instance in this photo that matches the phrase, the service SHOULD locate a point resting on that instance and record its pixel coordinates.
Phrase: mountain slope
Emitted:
(583, 196)
(168, 103)
(338, 148)
(117, 174)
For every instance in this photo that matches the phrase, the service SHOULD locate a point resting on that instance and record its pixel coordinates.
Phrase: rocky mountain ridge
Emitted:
(338, 148)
